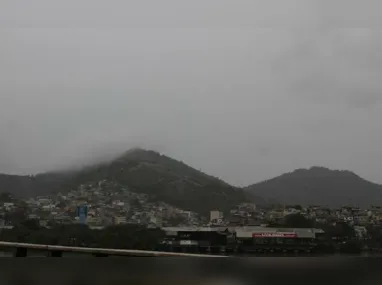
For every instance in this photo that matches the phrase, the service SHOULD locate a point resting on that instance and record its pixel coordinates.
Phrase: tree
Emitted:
(31, 224)
(16, 217)
(124, 237)
(298, 207)
(298, 221)
(340, 231)
(6, 197)
(134, 203)
(62, 204)
(176, 221)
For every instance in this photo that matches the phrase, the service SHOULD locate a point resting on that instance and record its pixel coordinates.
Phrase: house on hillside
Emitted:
(291, 211)
(8, 206)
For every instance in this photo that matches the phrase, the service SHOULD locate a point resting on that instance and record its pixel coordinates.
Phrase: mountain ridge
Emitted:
(319, 186)
(174, 182)
(143, 171)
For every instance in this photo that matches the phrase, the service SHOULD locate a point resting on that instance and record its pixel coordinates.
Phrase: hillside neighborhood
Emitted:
(144, 199)
(111, 204)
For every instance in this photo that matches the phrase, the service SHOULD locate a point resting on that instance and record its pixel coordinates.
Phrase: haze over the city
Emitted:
(243, 90)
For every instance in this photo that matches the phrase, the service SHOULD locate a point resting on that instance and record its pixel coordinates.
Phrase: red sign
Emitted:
(274, 235)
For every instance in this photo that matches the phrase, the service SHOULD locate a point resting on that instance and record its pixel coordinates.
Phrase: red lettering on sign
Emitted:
(275, 235)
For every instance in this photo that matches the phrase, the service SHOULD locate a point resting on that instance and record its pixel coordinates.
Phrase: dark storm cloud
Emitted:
(243, 90)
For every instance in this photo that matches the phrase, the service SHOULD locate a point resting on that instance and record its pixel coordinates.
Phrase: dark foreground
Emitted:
(37, 253)
(259, 271)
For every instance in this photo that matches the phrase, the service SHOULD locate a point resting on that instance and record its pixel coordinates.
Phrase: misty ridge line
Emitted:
(107, 158)
(172, 181)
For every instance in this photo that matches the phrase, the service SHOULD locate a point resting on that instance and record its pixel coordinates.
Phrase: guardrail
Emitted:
(21, 250)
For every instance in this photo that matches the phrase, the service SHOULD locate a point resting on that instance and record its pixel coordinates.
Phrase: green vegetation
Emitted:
(298, 221)
(162, 177)
(122, 237)
(168, 180)
(319, 186)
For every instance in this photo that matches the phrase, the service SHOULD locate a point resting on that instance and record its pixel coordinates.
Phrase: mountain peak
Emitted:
(323, 171)
(320, 186)
(139, 154)
(142, 171)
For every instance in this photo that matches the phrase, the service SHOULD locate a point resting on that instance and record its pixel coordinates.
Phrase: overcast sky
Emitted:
(243, 90)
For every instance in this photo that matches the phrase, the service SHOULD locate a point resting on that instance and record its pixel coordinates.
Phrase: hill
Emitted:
(141, 171)
(319, 186)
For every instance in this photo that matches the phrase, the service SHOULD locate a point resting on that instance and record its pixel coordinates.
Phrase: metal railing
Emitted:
(21, 250)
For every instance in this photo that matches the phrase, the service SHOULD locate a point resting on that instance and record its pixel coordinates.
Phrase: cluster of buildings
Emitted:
(240, 240)
(249, 215)
(354, 216)
(247, 229)
(106, 203)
